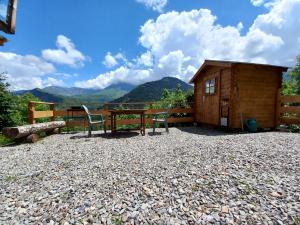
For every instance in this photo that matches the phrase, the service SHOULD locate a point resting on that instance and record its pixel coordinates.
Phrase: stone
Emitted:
(225, 209)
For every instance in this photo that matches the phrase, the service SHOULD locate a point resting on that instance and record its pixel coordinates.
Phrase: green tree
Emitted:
(291, 85)
(13, 108)
(175, 98)
(6, 103)
(20, 112)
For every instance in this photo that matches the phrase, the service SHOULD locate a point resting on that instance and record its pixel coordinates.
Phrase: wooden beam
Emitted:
(290, 109)
(2, 40)
(12, 16)
(46, 103)
(9, 25)
(290, 120)
(290, 99)
(42, 114)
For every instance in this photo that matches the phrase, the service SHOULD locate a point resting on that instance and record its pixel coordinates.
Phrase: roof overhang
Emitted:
(228, 64)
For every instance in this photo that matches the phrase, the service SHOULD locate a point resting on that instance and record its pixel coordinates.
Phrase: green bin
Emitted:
(251, 125)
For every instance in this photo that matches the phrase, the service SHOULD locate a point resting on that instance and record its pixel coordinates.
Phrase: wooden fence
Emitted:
(288, 113)
(54, 114)
(288, 110)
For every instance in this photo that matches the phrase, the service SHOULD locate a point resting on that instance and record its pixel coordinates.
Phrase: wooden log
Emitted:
(54, 131)
(23, 131)
(32, 138)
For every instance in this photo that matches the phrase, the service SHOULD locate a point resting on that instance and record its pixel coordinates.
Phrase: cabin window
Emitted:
(210, 86)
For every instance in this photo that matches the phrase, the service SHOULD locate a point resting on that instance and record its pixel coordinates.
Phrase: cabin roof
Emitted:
(229, 64)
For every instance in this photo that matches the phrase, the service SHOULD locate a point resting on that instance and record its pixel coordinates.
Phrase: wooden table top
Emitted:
(128, 111)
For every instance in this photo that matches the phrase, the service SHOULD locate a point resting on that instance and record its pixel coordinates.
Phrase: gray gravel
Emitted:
(190, 176)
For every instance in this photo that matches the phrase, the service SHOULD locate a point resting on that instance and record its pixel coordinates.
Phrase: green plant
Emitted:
(291, 83)
(294, 128)
(10, 178)
(4, 140)
(117, 221)
(6, 103)
(297, 221)
(13, 108)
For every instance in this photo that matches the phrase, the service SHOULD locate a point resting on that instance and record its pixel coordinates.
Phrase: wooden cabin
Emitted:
(228, 93)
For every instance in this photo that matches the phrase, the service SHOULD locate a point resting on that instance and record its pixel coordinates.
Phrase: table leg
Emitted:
(141, 124)
(111, 123)
(115, 123)
(144, 125)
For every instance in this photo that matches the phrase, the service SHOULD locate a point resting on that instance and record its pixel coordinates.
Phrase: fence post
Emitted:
(278, 107)
(31, 109)
(151, 115)
(52, 108)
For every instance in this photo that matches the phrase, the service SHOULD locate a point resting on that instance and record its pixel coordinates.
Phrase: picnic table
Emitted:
(140, 112)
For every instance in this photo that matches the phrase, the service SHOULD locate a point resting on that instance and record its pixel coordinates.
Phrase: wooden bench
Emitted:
(30, 132)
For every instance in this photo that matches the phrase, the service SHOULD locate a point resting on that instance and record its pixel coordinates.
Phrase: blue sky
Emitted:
(96, 43)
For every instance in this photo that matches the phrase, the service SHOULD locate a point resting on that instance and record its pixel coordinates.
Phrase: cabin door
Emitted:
(211, 99)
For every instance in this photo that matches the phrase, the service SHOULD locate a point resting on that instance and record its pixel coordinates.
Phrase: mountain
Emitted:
(75, 95)
(69, 91)
(42, 95)
(121, 86)
(75, 91)
(152, 91)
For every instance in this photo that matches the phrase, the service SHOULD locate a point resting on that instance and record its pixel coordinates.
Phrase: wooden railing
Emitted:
(288, 110)
(54, 114)
(33, 114)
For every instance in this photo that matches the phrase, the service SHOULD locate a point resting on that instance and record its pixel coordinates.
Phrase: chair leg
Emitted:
(166, 125)
(90, 131)
(104, 127)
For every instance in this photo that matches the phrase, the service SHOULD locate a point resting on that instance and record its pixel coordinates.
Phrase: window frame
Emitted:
(209, 85)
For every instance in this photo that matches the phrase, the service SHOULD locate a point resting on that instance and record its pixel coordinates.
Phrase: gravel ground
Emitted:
(190, 176)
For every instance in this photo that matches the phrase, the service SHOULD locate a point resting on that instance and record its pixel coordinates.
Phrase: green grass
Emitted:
(4, 140)
(9, 179)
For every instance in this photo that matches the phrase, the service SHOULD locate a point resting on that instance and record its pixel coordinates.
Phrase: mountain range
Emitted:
(121, 92)
(152, 91)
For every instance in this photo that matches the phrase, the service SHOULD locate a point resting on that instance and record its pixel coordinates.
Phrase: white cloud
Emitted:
(66, 53)
(50, 81)
(156, 5)
(177, 43)
(24, 72)
(257, 2)
(113, 60)
(146, 59)
(121, 74)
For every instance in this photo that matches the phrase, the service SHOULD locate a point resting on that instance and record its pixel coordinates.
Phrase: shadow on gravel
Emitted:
(155, 133)
(119, 135)
(208, 131)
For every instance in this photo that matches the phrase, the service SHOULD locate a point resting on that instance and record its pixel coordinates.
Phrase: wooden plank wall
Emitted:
(288, 109)
(255, 95)
(207, 106)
